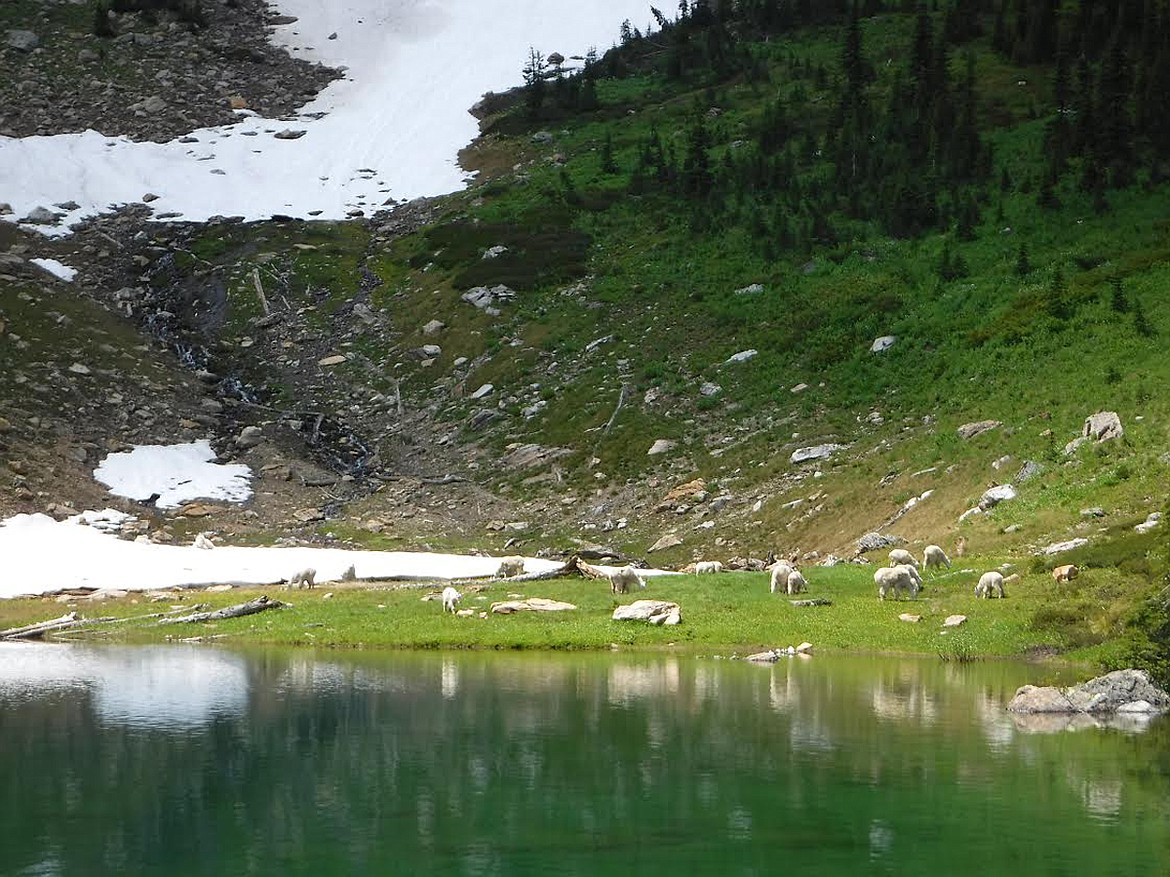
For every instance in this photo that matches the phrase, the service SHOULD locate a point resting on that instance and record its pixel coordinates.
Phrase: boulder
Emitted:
(885, 342)
(1102, 426)
(661, 446)
(22, 40)
(954, 620)
(1030, 469)
(995, 495)
(970, 430)
(1058, 547)
(653, 611)
(816, 452)
(876, 542)
(1152, 520)
(1127, 691)
(742, 356)
(668, 541)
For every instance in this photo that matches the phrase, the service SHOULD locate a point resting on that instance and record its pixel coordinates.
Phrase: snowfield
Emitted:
(391, 129)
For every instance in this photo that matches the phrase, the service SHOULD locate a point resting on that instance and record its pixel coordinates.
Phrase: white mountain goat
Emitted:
(450, 598)
(780, 573)
(203, 541)
(708, 566)
(990, 585)
(894, 580)
(510, 566)
(306, 578)
(900, 556)
(796, 582)
(621, 580)
(934, 556)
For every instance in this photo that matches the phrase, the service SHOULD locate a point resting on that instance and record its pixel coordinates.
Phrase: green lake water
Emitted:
(199, 761)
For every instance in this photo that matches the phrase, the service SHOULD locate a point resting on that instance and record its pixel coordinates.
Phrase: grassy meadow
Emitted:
(728, 613)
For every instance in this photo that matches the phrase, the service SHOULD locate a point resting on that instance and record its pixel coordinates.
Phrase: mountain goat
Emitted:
(708, 566)
(510, 566)
(306, 578)
(933, 555)
(620, 580)
(796, 582)
(990, 585)
(901, 556)
(895, 580)
(1065, 573)
(450, 598)
(780, 573)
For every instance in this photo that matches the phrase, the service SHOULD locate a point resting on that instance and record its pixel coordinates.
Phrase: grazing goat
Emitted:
(510, 566)
(620, 580)
(933, 555)
(708, 566)
(990, 585)
(961, 546)
(796, 582)
(895, 580)
(901, 556)
(450, 598)
(915, 577)
(780, 573)
(306, 578)
(1065, 573)
(203, 541)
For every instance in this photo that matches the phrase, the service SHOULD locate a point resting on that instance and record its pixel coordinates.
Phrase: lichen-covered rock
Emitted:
(1102, 426)
(970, 430)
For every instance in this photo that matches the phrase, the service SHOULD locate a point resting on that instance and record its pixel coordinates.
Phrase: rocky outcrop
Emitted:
(1122, 691)
(970, 430)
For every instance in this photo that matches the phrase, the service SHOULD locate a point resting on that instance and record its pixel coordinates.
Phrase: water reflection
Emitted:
(145, 686)
(521, 764)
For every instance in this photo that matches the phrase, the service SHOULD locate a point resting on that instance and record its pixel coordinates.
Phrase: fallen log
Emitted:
(38, 630)
(260, 604)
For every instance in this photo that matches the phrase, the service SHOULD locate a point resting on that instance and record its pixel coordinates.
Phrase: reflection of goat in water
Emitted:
(306, 578)
(450, 598)
(620, 580)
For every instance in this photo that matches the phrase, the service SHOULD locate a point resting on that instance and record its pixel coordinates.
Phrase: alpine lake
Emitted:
(195, 760)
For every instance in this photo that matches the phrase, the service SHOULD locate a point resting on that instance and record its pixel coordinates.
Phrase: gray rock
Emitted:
(249, 437)
(709, 389)
(742, 356)
(1058, 547)
(750, 289)
(481, 418)
(653, 611)
(1030, 469)
(434, 327)
(668, 541)
(970, 430)
(995, 495)
(1152, 520)
(290, 134)
(876, 542)
(483, 390)
(22, 40)
(1102, 426)
(882, 344)
(661, 446)
(1120, 691)
(41, 216)
(816, 452)
(1071, 447)
(1093, 512)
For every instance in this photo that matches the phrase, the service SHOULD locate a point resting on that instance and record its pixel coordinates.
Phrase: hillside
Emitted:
(690, 243)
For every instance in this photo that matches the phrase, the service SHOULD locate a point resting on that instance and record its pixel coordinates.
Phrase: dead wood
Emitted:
(260, 604)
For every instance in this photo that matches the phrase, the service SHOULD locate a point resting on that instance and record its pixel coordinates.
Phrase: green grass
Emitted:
(726, 613)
